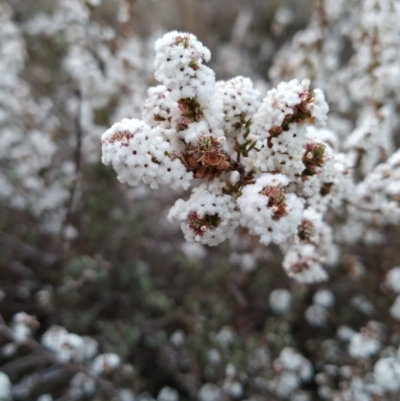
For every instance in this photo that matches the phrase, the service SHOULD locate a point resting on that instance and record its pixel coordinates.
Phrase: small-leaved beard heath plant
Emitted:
(262, 164)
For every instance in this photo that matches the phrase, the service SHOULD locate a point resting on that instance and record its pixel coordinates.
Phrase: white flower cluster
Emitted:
(393, 282)
(23, 326)
(5, 387)
(387, 373)
(58, 346)
(360, 91)
(266, 169)
(292, 369)
(280, 300)
(26, 130)
(367, 342)
(267, 211)
(208, 215)
(317, 313)
(106, 80)
(69, 347)
(139, 152)
(105, 363)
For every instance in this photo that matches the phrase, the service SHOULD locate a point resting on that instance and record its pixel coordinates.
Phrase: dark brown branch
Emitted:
(77, 161)
(41, 355)
(25, 250)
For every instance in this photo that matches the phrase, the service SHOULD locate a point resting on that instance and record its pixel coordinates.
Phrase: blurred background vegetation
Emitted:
(128, 279)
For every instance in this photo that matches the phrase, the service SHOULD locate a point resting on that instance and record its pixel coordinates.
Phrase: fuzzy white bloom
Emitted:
(193, 250)
(372, 139)
(280, 300)
(345, 333)
(177, 338)
(168, 394)
(313, 230)
(395, 308)
(291, 360)
(196, 128)
(67, 346)
(269, 168)
(23, 325)
(303, 263)
(213, 356)
(225, 336)
(208, 216)
(45, 397)
(105, 363)
(387, 374)
(209, 392)
(126, 394)
(360, 303)
(139, 153)
(234, 389)
(240, 102)
(267, 211)
(281, 105)
(5, 387)
(82, 385)
(393, 279)
(316, 315)
(160, 110)
(363, 346)
(179, 65)
(281, 124)
(324, 298)
(246, 261)
(292, 369)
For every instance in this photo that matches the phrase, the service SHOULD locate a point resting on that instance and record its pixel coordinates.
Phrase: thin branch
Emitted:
(77, 162)
(25, 250)
(41, 355)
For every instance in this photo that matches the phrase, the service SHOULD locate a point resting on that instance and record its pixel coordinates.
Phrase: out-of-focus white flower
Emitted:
(324, 298)
(395, 308)
(5, 387)
(213, 356)
(168, 394)
(177, 338)
(105, 363)
(67, 346)
(279, 300)
(316, 315)
(345, 333)
(393, 279)
(45, 397)
(209, 392)
(363, 346)
(194, 250)
(225, 336)
(81, 386)
(387, 374)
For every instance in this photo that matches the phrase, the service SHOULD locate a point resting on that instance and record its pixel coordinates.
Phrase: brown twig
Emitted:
(41, 355)
(25, 250)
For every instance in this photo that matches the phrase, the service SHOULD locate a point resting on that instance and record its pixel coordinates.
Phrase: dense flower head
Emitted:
(208, 216)
(258, 164)
(267, 211)
(269, 165)
(139, 152)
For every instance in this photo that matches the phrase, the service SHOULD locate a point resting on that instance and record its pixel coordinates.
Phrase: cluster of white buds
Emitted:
(291, 369)
(360, 91)
(69, 346)
(268, 167)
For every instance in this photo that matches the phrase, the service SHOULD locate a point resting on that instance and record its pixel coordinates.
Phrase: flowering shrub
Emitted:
(101, 298)
(264, 165)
